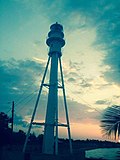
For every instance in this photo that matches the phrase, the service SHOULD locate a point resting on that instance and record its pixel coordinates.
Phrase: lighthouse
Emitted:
(55, 41)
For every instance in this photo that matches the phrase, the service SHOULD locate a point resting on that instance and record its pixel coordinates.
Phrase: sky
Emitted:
(91, 60)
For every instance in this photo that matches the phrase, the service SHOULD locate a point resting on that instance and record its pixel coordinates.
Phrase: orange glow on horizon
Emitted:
(83, 131)
(86, 130)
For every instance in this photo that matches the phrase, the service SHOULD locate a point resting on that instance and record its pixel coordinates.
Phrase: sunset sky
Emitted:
(91, 59)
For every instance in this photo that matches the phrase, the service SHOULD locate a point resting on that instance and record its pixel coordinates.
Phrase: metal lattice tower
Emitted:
(55, 42)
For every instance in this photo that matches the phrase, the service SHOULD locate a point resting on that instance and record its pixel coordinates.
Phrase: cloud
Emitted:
(71, 80)
(78, 16)
(20, 82)
(108, 31)
(106, 21)
(81, 113)
(19, 78)
(18, 120)
(101, 102)
(75, 80)
(67, 11)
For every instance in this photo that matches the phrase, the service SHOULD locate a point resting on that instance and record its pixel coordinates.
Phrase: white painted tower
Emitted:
(55, 42)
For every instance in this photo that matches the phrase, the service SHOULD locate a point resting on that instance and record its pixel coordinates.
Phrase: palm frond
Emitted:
(110, 122)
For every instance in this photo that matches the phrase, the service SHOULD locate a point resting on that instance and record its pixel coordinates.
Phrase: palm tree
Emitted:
(110, 122)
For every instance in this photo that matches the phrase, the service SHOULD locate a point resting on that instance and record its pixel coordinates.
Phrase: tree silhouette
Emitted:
(4, 119)
(18, 137)
(110, 122)
(5, 131)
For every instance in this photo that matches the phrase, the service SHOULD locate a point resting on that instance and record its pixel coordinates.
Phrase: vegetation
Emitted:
(14, 140)
(7, 137)
(110, 122)
(5, 131)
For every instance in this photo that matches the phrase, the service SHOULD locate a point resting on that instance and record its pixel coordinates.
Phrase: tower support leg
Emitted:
(36, 104)
(65, 103)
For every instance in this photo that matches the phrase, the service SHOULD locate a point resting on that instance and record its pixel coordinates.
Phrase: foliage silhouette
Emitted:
(5, 131)
(4, 120)
(110, 122)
